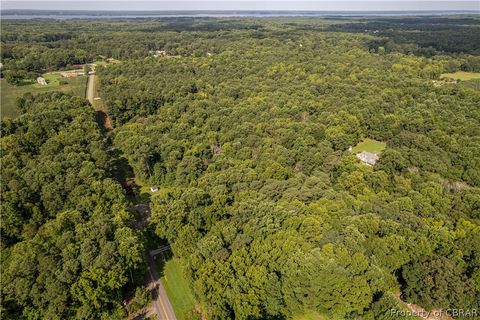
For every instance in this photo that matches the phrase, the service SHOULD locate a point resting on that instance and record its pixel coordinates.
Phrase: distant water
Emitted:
(66, 15)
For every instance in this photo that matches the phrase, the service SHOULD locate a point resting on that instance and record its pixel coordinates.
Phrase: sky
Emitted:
(312, 5)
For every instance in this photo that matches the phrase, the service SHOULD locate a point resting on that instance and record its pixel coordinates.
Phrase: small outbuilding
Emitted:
(154, 189)
(368, 158)
(42, 81)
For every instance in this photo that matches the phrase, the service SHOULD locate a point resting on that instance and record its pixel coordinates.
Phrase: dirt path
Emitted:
(91, 82)
(102, 118)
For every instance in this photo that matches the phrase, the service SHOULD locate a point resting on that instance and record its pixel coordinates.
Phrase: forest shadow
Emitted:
(138, 196)
(123, 173)
(141, 316)
(161, 260)
(103, 121)
(121, 170)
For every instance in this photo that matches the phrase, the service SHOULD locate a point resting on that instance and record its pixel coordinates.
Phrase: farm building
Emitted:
(368, 157)
(42, 81)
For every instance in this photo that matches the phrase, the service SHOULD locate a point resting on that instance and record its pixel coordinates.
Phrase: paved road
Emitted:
(161, 303)
(91, 81)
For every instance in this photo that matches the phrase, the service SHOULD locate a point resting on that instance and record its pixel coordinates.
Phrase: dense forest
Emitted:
(245, 126)
(28, 48)
(67, 240)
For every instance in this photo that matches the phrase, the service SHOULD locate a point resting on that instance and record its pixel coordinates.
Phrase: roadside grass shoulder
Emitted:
(178, 290)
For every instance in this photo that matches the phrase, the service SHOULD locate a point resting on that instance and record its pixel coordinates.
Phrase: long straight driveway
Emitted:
(91, 83)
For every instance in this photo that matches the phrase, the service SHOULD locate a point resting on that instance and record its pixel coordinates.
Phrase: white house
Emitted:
(368, 158)
(42, 81)
(153, 188)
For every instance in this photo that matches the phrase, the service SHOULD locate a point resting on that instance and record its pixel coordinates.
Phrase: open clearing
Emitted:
(53, 81)
(9, 93)
(370, 145)
(103, 62)
(178, 291)
(461, 75)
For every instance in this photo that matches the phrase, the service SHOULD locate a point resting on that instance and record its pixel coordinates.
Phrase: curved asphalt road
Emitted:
(162, 305)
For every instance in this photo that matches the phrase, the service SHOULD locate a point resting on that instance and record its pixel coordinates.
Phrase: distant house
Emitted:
(159, 53)
(368, 158)
(154, 188)
(42, 81)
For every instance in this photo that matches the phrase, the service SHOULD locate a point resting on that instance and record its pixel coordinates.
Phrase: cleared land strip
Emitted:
(91, 81)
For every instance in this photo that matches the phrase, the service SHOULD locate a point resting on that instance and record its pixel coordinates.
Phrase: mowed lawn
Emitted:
(370, 145)
(10, 93)
(461, 75)
(178, 291)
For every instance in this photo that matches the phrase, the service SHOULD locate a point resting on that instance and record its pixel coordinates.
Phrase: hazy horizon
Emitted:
(226, 5)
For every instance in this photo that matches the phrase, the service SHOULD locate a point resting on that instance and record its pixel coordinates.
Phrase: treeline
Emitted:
(426, 36)
(68, 246)
(260, 197)
(31, 47)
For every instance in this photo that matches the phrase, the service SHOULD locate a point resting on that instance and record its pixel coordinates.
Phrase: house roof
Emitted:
(368, 157)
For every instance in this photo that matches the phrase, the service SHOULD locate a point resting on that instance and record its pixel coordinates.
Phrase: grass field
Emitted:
(100, 63)
(104, 63)
(178, 291)
(10, 93)
(461, 75)
(370, 145)
(53, 81)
